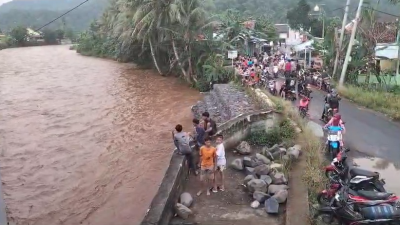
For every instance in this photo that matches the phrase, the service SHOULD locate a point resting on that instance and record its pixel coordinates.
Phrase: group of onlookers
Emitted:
(199, 145)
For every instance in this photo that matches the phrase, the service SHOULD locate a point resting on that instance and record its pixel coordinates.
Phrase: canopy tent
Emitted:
(387, 51)
(303, 46)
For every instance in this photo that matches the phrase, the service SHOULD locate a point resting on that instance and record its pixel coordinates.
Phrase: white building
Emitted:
(289, 36)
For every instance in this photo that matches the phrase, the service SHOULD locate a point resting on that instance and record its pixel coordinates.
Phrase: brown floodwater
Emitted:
(84, 140)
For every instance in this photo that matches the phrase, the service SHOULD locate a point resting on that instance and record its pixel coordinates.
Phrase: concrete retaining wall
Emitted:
(235, 130)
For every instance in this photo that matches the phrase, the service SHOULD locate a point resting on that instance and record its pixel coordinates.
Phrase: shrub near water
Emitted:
(387, 103)
(284, 131)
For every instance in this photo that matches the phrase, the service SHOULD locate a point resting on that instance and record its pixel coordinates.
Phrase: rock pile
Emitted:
(223, 103)
(183, 207)
(265, 179)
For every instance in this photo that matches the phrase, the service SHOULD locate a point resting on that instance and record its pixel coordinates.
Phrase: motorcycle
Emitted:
(303, 107)
(275, 71)
(290, 95)
(316, 77)
(360, 198)
(326, 85)
(334, 139)
(344, 212)
(272, 87)
(329, 113)
(357, 179)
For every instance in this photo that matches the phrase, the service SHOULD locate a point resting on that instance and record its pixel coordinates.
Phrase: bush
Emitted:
(385, 102)
(284, 131)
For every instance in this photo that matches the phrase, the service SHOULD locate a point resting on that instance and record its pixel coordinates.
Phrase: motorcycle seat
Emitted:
(360, 172)
(372, 195)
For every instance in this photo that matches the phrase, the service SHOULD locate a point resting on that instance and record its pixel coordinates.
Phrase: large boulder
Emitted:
(279, 178)
(186, 199)
(273, 188)
(244, 148)
(260, 196)
(183, 211)
(237, 164)
(255, 204)
(263, 158)
(248, 178)
(274, 149)
(271, 206)
(262, 170)
(279, 153)
(249, 171)
(266, 178)
(252, 161)
(281, 196)
(294, 152)
(257, 185)
(276, 167)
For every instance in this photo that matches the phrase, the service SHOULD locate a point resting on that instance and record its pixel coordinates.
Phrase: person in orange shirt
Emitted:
(208, 158)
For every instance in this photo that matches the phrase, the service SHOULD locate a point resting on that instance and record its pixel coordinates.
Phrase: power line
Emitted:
(62, 15)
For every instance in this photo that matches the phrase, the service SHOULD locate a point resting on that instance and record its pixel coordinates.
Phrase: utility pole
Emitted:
(351, 43)
(344, 23)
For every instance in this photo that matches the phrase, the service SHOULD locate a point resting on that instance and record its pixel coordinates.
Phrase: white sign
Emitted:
(232, 54)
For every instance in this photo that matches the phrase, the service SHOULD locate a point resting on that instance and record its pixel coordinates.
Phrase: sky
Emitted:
(4, 1)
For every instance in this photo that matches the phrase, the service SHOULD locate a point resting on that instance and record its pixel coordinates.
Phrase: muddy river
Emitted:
(84, 140)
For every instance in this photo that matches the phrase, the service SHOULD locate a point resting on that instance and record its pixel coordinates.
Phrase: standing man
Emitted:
(210, 126)
(208, 158)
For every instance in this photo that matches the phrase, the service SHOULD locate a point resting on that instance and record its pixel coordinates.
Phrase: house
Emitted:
(287, 35)
(34, 35)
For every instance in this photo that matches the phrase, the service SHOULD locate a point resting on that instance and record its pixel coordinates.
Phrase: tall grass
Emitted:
(384, 102)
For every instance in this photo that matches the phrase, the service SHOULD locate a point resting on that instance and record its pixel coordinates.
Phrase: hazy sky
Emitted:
(4, 1)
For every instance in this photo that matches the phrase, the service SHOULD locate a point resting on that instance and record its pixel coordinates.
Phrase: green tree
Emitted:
(59, 34)
(298, 17)
(19, 35)
(49, 36)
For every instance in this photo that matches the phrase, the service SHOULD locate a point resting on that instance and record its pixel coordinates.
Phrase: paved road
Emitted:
(374, 137)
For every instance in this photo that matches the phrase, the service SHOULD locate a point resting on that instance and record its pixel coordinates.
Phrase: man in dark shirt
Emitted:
(199, 132)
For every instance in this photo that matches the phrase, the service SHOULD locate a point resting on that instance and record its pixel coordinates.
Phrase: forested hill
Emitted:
(35, 13)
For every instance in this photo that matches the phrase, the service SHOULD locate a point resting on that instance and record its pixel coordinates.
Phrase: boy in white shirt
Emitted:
(221, 162)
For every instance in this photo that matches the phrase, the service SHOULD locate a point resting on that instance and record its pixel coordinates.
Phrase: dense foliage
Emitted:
(177, 37)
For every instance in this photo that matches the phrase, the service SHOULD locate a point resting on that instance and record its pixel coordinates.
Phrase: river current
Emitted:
(84, 140)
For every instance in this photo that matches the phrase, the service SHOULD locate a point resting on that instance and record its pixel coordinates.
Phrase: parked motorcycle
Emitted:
(290, 95)
(357, 179)
(360, 198)
(334, 139)
(343, 212)
(272, 87)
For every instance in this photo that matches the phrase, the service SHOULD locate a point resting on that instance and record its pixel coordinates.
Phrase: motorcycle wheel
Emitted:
(323, 199)
(326, 218)
(330, 174)
(303, 113)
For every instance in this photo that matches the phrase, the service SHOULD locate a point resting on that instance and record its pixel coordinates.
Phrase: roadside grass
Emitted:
(384, 102)
(312, 149)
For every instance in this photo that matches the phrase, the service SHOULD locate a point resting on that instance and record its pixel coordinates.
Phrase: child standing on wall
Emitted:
(221, 163)
(208, 158)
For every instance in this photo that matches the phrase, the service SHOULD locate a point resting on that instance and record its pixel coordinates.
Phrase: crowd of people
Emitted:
(199, 144)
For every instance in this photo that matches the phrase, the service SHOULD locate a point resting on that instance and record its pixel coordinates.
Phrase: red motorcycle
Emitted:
(359, 198)
(303, 106)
